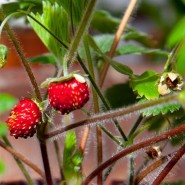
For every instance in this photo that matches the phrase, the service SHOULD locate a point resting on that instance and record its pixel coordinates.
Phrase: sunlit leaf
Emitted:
(7, 101)
(54, 18)
(145, 85)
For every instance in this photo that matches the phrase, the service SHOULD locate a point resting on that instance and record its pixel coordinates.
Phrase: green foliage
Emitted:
(77, 8)
(120, 95)
(12, 7)
(161, 109)
(47, 58)
(7, 101)
(133, 49)
(59, 27)
(2, 167)
(72, 160)
(3, 55)
(3, 129)
(109, 25)
(145, 85)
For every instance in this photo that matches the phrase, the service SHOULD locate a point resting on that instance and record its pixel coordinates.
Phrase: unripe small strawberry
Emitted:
(24, 118)
(68, 95)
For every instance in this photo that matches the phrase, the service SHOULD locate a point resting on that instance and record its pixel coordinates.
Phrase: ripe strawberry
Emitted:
(68, 95)
(24, 118)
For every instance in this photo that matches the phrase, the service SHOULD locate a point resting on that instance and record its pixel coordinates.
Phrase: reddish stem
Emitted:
(133, 148)
(169, 166)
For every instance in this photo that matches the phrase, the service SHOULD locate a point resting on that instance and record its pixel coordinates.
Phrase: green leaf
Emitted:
(136, 35)
(180, 61)
(11, 7)
(104, 42)
(161, 109)
(123, 69)
(78, 8)
(133, 49)
(120, 95)
(145, 85)
(177, 34)
(72, 160)
(109, 25)
(117, 66)
(3, 55)
(2, 167)
(44, 59)
(3, 129)
(7, 101)
(54, 18)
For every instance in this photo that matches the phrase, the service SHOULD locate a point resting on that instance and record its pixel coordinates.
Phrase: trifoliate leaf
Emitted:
(54, 18)
(109, 25)
(7, 101)
(44, 59)
(3, 55)
(160, 109)
(145, 85)
(3, 129)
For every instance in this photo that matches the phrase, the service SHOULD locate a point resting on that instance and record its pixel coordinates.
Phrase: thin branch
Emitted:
(23, 159)
(114, 114)
(170, 165)
(117, 37)
(133, 148)
(150, 168)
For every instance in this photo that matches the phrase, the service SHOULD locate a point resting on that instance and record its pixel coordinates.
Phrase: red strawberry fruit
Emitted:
(24, 118)
(69, 94)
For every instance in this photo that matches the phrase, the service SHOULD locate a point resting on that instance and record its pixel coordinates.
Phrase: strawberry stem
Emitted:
(70, 55)
(20, 164)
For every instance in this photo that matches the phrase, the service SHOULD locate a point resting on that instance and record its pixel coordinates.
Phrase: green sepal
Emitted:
(58, 79)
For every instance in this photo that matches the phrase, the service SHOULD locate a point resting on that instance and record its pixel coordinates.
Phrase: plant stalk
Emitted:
(170, 165)
(117, 38)
(22, 158)
(114, 114)
(133, 148)
(19, 163)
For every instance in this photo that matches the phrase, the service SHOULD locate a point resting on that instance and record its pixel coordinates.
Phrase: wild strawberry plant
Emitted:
(78, 32)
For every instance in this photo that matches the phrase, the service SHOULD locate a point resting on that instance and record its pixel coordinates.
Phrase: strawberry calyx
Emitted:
(75, 74)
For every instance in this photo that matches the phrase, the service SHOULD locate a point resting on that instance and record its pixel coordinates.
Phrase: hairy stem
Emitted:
(114, 114)
(150, 168)
(22, 158)
(19, 163)
(81, 30)
(96, 110)
(133, 148)
(117, 37)
(170, 165)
